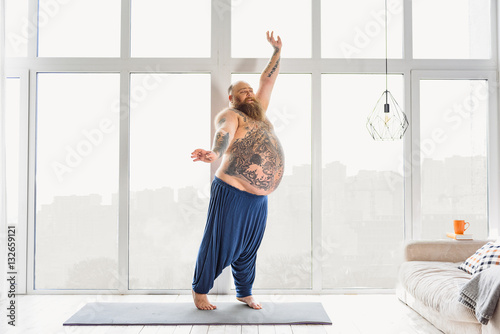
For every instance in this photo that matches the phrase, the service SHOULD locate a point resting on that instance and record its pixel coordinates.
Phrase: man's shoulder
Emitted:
(227, 115)
(231, 112)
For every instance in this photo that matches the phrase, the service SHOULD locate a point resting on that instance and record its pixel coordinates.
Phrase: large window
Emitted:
(168, 192)
(453, 155)
(79, 28)
(16, 153)
(356, 29)
(451, 29)
(76, 220)
(363, 186)
(13, 119)
(17, 28)
(162, 28)
(119, 93)
(250, 19)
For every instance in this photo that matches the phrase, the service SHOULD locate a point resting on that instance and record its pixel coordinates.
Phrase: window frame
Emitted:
(221, 65)
(492, 141)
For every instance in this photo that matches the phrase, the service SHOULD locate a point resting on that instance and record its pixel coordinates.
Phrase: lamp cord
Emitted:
(386, 98)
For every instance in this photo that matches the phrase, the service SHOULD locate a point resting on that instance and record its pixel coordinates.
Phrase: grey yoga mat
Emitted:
(187, 314)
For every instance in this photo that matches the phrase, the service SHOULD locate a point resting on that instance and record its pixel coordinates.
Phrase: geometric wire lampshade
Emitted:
(387, 121)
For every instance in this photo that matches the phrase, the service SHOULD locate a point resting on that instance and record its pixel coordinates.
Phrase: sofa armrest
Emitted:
(441, 250)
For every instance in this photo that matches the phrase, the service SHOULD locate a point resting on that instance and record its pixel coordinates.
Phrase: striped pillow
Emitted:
(485, 257)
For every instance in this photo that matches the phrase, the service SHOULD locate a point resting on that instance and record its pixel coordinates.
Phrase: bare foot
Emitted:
(251, 302)
(201, 301)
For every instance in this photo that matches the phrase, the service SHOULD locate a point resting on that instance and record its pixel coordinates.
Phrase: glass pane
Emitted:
(290, 19)
(170, 28)
(363, 194)
(12, 137)
(79, 28)
(76, 221)
(453, 29)
(284, 258)
(169, 193)
(18, 28)
(356, 29)
(453, 146)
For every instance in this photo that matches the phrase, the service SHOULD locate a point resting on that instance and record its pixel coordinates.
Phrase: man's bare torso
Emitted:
(254, 161)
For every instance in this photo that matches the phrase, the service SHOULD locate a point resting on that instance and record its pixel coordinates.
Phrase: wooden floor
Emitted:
(350, 314)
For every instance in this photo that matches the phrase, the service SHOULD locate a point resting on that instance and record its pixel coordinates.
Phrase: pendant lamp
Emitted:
(387, 121)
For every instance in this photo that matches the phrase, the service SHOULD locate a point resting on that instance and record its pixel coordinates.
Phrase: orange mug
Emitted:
(460, 226)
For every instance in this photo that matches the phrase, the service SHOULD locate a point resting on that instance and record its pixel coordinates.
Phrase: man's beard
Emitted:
(253, 110)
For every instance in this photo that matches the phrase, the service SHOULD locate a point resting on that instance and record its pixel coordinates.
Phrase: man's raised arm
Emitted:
(270, 73)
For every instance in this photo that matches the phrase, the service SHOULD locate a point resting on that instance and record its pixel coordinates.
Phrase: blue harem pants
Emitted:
(235, 226)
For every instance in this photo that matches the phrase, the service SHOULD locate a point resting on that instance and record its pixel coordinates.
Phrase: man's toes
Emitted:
(209, 307)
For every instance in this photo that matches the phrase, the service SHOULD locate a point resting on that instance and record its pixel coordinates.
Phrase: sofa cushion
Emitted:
(483, 258)
(437, 285)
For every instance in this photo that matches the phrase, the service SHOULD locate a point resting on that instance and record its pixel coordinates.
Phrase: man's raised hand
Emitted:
(205, 156)
(276, 43)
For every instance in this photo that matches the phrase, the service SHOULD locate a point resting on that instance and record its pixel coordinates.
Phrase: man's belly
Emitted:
(254, 164)
(256, 185)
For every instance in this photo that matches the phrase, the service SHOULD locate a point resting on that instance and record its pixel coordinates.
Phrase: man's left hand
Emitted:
(276, 43)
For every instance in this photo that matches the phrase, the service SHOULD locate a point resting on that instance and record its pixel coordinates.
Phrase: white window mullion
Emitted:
(316, 172)
(414, 159)
(124, 162)
(494, 137)
(407, 31)
(406, 164)
(221, 79)
(493, 159)
(494, 31)
(32, 36)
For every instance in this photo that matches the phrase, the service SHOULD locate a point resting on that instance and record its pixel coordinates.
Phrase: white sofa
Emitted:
(430, 282)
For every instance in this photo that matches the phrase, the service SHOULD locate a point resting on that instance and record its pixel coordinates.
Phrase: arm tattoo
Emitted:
(267, 68)
(222, 121)
(274, 68)
(276, 50)
(221, 143)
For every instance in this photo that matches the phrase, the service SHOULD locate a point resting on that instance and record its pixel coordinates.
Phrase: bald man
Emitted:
(251, 168)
